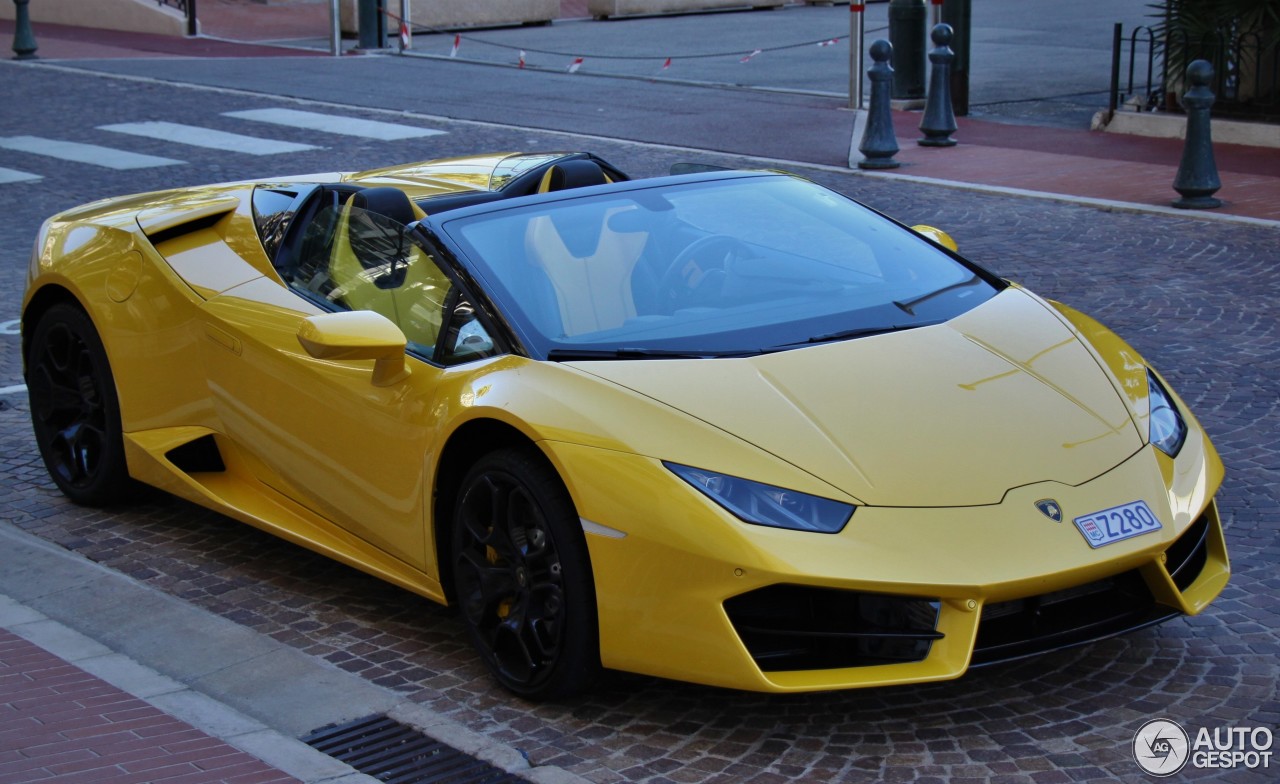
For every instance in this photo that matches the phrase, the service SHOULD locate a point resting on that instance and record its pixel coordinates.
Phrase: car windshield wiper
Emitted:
(586, 354)
(849, 334)
(907, 305)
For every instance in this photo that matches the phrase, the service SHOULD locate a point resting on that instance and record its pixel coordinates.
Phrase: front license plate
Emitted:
(1117, 523)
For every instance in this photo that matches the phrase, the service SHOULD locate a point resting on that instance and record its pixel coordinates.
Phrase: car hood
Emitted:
(954, 414)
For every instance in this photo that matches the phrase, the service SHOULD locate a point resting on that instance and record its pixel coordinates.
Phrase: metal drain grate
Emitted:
(392, 752)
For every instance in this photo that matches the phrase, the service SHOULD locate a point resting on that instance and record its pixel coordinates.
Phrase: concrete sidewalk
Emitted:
(1109, 170)
(106, 680)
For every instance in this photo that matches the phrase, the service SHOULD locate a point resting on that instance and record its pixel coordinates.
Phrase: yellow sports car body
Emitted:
(724, 427)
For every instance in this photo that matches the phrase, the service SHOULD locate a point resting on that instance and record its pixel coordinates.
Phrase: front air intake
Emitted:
(798, 627)
(1186, 557)
(1063, 619)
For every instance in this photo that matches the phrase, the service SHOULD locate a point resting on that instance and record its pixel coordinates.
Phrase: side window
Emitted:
(273, 208)
(355, 259)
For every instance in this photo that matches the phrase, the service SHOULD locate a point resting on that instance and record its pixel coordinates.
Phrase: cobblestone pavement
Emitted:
(1198, 298)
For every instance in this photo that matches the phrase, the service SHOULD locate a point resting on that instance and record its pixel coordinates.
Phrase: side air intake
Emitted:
(197, 457)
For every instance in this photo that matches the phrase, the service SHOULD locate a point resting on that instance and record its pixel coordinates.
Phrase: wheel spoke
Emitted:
(62, 445)
(486, 506)
(87, 381)
(61, 349)
(526, 527)
(53, 394)
(544, 623)
(511, 649)
(86, 448)
(488, 586)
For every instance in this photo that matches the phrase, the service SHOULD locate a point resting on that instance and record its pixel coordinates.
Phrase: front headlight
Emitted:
(761, 504)
(1167, 429)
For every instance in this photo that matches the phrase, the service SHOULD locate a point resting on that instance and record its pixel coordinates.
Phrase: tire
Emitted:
(74, 409)
(522, 577)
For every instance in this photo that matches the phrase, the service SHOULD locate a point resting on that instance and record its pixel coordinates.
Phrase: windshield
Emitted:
(514, 165)
(726, 267)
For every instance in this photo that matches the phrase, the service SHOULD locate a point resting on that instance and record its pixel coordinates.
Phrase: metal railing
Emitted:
(187, 8)
(1246, 71)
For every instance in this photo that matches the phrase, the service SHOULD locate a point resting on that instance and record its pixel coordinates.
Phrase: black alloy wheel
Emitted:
(522, 577)
(74, 409)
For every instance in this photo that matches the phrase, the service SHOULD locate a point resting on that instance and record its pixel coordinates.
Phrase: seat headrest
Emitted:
(576, 173)
(387, 201)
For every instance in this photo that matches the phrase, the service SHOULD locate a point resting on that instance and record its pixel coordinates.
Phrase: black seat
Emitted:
(386, 201)
(572, 173)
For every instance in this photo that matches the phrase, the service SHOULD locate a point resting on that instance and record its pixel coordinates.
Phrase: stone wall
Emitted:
(461, 13)
(135, 16)
(602, 9)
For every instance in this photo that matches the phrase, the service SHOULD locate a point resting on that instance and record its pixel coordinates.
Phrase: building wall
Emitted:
(135, 16)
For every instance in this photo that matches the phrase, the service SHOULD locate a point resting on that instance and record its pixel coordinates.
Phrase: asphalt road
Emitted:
(1198, 298)
(1052, 67)
(1058, 52)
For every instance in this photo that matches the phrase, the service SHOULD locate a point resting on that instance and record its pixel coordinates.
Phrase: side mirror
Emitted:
(937, 235)
(357, 334)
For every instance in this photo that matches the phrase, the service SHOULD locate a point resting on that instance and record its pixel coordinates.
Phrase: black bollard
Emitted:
(939, 120)
(908, 19)
(879, 144)
(24, 41)
(959, 14)
(1197, 177)
(371, 25)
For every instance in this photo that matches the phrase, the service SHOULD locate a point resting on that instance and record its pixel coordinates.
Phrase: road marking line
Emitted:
(330, 123)
(11, 327)
(206, 137)
(13, 389)
(107, 157)
(13, 175)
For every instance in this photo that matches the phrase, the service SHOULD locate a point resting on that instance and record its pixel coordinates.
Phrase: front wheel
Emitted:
(74, 410)
(522, 577)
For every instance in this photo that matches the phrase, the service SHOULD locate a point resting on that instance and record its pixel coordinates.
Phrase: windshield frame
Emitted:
(538, 345)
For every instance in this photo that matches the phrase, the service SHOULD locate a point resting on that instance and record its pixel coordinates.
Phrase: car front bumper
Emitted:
(686, 591)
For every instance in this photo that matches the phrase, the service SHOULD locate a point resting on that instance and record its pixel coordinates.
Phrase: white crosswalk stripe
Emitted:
(330, 123)
(198, 136)
(13, 175)
(107, 157)
(206, 137)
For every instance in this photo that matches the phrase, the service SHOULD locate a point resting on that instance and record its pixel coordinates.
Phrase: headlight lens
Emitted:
(1167, 429)
(761, 504)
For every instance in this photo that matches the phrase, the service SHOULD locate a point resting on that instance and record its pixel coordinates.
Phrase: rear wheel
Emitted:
(522, 577)
(74, 410)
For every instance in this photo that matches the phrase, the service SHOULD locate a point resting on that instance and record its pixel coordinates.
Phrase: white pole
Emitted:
(404, 16)
(857, 28)
(335, 29)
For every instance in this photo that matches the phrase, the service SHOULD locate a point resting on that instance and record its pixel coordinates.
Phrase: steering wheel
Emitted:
(692, 268)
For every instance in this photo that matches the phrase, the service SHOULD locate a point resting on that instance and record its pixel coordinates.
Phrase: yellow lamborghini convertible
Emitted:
(725, 427)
